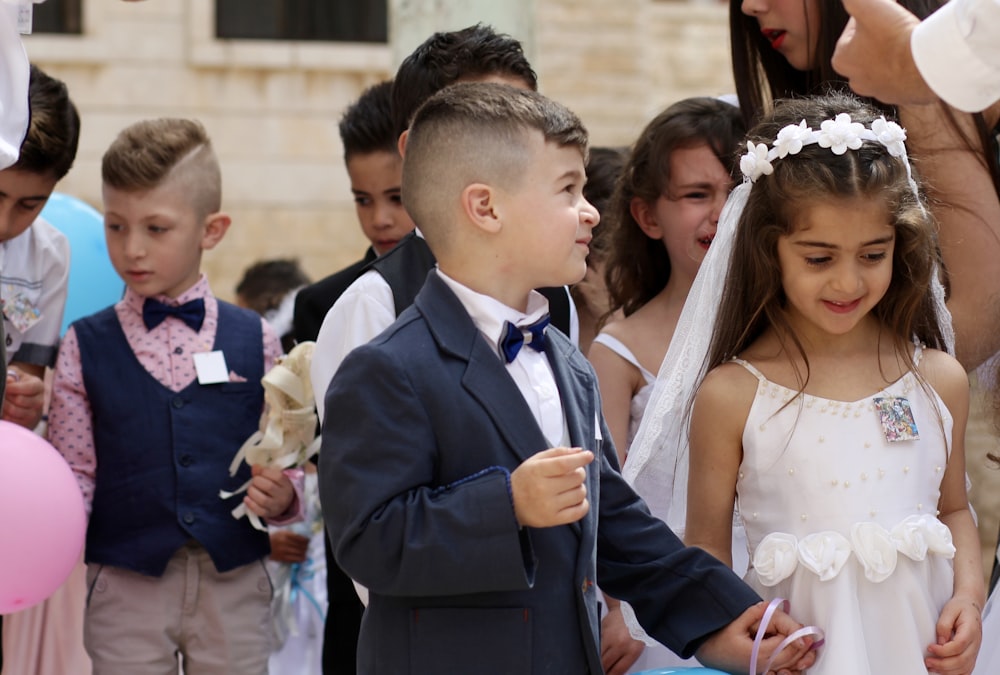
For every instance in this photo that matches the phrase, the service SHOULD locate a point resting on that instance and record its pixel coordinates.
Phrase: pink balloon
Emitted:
(43, 523)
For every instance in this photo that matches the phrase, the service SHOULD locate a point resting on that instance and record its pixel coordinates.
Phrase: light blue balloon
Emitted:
(93, 282)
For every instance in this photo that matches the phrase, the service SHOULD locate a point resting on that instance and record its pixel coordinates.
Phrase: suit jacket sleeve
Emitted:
(681, 595)
(393, 528)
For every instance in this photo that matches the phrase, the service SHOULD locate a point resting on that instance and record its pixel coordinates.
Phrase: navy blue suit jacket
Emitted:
(423, 427)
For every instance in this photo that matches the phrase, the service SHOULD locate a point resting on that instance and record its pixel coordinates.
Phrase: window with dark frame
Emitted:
(316, 20)
(57, 16)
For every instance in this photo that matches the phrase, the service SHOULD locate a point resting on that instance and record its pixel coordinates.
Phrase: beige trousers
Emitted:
(216, 624)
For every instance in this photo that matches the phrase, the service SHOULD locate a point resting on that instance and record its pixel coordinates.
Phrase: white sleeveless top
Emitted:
(641, 398)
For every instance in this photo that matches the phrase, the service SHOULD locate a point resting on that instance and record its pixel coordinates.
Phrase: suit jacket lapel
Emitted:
(485, 378)
(579, 407)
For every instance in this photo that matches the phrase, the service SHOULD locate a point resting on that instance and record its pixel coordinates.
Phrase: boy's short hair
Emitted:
(446, 58)
(146, 153)
(366, 126)
(477, 132)
(53, 134)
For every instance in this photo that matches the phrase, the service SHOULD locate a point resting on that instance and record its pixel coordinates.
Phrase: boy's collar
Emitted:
(200, 289)
(489, 314)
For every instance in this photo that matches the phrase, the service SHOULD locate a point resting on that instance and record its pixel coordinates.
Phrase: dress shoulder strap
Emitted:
(918, 352)
(619, 348)
(750, 367)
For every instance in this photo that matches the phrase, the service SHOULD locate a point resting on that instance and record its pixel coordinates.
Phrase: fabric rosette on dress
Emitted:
(287, 436)
(876, 549)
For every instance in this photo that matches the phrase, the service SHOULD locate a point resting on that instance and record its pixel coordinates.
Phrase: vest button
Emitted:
(188, 517)
(186, 460)
(178, 402)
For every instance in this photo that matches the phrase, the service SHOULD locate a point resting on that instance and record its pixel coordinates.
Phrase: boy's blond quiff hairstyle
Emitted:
(147, 153)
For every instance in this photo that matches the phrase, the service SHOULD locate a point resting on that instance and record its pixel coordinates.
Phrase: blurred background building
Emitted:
(270, 78)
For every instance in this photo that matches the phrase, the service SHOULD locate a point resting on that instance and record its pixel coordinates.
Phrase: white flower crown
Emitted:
(839, 134)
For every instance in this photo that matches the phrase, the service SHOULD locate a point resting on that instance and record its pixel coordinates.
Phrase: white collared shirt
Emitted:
(530, 370)
(363, 311)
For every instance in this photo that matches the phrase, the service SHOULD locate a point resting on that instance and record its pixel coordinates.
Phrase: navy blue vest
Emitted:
(163, 456)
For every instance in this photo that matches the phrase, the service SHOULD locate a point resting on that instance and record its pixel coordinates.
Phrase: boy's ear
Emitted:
(479, 203)
(643, 214)
(216, 225)
(401, 143)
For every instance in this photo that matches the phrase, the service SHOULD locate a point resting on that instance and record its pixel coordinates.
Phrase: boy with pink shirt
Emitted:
(152, 399)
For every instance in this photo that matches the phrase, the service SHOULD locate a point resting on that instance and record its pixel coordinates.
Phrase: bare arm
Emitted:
(717, 420)
(618, 381)
(965, 203)
(959, 628)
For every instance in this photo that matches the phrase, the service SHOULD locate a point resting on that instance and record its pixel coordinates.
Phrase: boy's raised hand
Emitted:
(730, 648)
(270, 493)
(550, 488)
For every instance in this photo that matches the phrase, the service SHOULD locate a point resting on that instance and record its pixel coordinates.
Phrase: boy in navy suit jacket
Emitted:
(468, 479)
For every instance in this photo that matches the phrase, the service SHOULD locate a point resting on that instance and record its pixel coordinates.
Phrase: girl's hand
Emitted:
(959, 634)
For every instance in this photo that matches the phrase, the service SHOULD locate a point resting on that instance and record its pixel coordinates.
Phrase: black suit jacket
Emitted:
(315, 300)
(424, 426)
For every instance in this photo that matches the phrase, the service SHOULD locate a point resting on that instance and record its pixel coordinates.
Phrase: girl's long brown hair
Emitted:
(637, 267)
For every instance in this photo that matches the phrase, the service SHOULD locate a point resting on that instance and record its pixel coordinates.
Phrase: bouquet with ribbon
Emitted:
(287, 435)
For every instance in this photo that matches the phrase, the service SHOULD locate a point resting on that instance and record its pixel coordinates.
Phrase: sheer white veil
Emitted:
(657, 464)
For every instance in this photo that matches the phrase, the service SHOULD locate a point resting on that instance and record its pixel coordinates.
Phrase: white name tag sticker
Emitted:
(211, 367)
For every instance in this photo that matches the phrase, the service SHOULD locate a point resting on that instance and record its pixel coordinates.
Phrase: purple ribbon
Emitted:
(765, 621)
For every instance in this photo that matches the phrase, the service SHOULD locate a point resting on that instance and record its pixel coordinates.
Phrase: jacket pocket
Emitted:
(486, 641)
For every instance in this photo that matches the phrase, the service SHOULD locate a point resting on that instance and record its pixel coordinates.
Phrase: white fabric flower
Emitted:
(775, 558)
(840, 134)
(938, 537)
(908, 537)
(755, 163)
(891, 135)
(791, 139)
(824, 553)
(876, 550)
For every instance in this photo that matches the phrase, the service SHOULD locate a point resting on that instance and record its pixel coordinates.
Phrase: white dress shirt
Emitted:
(530, 369)
(364, 310)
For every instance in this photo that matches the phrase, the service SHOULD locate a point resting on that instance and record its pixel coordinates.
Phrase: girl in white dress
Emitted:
(660, 222)
(838, 436)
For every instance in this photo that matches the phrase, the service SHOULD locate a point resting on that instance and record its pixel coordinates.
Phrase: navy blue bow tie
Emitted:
(192, 313)
(513, 337)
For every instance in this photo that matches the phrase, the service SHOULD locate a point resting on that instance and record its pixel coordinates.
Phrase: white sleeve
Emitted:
(364, 310)
(49, 259)
(957, 51)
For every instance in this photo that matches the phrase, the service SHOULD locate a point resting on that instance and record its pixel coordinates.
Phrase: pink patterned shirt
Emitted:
(165, 352)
